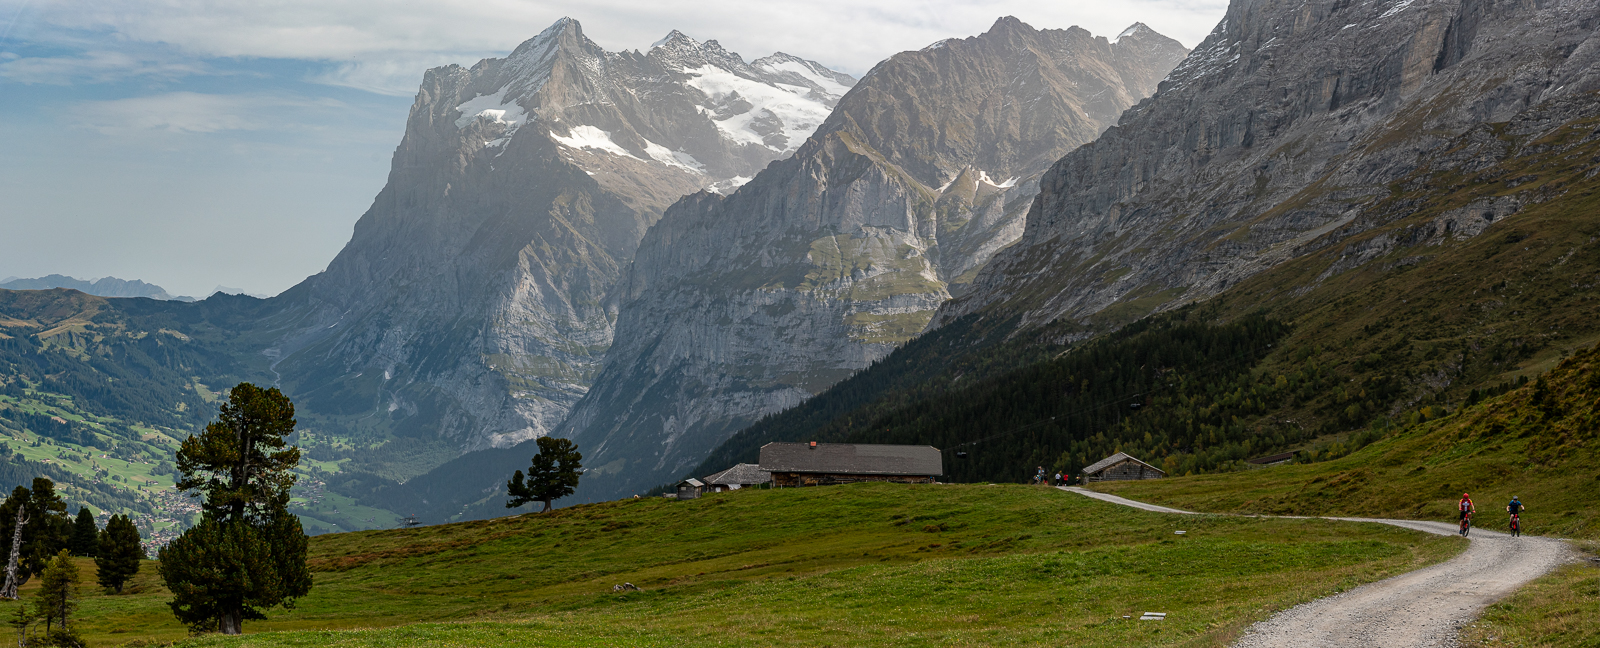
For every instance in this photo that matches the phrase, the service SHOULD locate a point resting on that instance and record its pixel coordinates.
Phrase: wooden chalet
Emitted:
(741, 476)
(820, 464)
(1121, 466)
(690, 488)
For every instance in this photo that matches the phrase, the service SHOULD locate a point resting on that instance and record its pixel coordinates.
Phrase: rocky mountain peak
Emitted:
(741, 305)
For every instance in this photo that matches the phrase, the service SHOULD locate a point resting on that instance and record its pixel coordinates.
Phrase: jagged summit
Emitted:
(1136, 29)
(742, 305)
(476, 285)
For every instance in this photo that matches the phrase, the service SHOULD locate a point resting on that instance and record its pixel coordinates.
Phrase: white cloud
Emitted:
(383, 45)
(191, 112)
(92, 66)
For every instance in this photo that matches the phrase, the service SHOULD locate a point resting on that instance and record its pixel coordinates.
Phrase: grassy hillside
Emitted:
(96, 393)
(867, 564)
(1415, 308)
(1539, 442)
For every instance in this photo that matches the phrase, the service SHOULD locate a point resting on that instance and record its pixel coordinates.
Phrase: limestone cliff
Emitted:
(468, 309)
(1284, 132)
(739, 306)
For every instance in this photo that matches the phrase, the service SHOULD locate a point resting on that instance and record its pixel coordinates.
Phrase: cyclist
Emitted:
(1467, 509)
(1515, 509)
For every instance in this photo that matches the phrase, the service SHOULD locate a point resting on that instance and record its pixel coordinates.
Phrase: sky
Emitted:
(202, 143)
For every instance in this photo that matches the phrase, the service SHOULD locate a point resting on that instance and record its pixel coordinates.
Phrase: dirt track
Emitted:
(1426, 607)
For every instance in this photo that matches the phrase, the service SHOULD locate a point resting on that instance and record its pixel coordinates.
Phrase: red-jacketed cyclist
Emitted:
(1466, 508)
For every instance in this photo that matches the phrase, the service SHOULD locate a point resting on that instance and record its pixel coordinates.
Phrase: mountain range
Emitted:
(673, 256)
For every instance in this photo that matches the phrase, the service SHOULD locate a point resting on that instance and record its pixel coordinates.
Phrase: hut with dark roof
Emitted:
(819, 464)
(741, 476)
(1121, 466)
(690, 488)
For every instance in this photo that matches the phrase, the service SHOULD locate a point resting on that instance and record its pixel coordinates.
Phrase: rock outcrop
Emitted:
(469, 308)
(1278, 135)
(739, 306)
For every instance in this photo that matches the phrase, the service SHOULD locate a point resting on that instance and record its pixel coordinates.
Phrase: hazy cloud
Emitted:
(93, 67)
(191, 112)
(383, 46)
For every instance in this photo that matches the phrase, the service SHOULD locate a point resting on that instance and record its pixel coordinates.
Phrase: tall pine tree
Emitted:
(118, 553)
(248, 552)
(85, 535)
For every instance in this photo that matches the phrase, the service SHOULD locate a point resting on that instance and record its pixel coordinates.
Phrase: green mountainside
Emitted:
(1405, 321)
(96, 393)
(1539, 442)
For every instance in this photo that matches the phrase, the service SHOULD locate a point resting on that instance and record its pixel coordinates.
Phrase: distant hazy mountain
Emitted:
(103, 287)
(470, 308)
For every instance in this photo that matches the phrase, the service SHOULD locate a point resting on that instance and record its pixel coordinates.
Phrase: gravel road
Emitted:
(1424, 608)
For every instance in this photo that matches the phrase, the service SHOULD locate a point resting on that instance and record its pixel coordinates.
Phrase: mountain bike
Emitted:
(1466, 525)
(1516, 524)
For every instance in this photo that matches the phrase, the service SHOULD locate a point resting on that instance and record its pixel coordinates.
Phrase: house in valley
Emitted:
(819, 464)
(1121, 466)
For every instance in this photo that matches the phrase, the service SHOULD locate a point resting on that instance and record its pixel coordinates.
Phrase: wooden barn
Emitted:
(741, 476)
(690, 488)
(1120, 466)
(820, 464)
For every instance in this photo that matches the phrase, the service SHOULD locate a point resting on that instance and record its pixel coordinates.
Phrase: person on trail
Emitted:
(1515, 509)
(1058, 480)
(1038, 477)
(1465, 506)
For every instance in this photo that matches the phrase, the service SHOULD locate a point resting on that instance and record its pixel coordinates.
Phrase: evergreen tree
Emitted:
(58, 599)
(85, 535)
(119, 553)
(553, 475)
(248, 552)
(35, 521)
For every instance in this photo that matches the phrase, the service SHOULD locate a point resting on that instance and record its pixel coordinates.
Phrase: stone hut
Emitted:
(820, 464)
(1121, 466)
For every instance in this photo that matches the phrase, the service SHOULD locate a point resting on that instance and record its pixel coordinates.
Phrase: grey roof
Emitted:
(692, 482)
(742, 474)
(1116, 459)
(852, 458)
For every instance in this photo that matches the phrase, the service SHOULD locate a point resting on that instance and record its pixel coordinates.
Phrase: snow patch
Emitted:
(589, 137)
(1398, 7)
(1131, 30)
(494, 107)
(795, 115)
(984, 178)
(673, 158)
(827, 84)
(728, 186)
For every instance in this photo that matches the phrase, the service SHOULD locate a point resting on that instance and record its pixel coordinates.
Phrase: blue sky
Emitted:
(194, 143)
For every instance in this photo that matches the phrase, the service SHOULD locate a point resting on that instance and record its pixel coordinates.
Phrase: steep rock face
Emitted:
(468, 309)
(737, 307)
(1280, 134)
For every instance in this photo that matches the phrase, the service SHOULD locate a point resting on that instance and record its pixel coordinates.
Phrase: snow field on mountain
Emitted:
(798, 115)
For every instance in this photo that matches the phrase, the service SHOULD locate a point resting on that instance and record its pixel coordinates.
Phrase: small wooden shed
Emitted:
(1121, 466)
(690, 488)
(740, 476)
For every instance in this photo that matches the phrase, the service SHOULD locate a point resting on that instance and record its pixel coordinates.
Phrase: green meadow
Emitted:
(859, 565)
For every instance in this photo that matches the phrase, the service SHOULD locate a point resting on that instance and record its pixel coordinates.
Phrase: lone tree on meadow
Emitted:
(118, 553)
(553, 475)
(248, 552)
(58, 599)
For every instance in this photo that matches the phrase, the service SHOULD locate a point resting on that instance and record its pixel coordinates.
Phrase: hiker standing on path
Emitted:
(1038, 477)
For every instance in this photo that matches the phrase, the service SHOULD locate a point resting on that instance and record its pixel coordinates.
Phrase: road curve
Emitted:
(1424, 608)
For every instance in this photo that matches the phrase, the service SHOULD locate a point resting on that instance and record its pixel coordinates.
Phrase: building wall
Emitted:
(1126, 470)
(783, 480)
